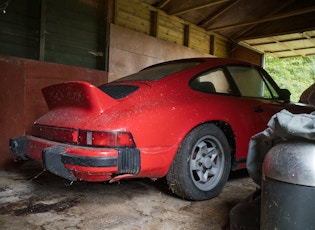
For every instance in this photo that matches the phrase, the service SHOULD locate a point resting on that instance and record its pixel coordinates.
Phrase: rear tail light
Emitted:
(84, 137)
(105, 139)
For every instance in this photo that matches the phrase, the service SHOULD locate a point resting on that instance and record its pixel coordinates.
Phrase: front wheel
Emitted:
(202, 164)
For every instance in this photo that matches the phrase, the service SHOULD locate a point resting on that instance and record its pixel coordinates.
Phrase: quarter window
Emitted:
(213, 81)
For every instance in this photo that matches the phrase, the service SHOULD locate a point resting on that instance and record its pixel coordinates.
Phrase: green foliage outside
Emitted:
(295, 74)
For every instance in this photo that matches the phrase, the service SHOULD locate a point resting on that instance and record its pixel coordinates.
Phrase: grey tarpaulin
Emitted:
(283, 126)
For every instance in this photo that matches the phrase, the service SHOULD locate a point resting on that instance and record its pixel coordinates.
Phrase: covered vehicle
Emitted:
(189, 120)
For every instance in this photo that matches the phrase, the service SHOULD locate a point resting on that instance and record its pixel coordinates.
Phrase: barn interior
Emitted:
(44, 42)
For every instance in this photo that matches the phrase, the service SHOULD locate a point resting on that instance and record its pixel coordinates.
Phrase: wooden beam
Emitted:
(212, 44)
(218, 13)
(109, 14)
(154, 31)
(198, 7)
(162, 3)
(266, 19)
(288, 2)
(110, 11)
(186, 35)
(42, 39)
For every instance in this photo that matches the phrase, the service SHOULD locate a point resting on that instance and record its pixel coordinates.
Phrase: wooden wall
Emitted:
(118, 36)
(72, 33)
(68, 32)
(20, 29)
(148, 20)
(76, 32)
(131, 51)
(21, 100)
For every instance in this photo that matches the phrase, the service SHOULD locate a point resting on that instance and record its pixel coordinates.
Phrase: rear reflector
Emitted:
(55, 133)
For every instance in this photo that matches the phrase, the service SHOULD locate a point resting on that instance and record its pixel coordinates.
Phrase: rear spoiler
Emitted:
(77, 94)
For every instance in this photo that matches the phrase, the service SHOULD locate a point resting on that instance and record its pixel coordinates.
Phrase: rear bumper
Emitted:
(77, 162)
(18, 146)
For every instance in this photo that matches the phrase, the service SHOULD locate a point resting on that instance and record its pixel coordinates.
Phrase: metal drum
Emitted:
(288, 187)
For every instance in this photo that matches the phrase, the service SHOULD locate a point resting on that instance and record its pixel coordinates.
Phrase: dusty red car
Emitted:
(189, 120)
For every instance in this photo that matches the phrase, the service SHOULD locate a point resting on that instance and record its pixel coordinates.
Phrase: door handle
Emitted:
(258, 109)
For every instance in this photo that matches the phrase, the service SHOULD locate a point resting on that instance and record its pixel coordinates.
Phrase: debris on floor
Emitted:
(28, 201)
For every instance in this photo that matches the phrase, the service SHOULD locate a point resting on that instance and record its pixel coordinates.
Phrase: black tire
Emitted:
(202, 164)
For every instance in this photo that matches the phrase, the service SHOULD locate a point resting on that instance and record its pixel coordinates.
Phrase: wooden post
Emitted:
(212, 44)
(42, 39)
(154, 23)
(186, 35)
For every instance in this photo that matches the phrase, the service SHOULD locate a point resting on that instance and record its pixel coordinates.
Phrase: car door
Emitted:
(229, 106)
(260, 93)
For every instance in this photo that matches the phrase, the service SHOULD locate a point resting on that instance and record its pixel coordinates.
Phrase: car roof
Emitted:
(200, 62)
(212, 60)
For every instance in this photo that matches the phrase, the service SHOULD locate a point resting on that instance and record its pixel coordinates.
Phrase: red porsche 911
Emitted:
(189, 120)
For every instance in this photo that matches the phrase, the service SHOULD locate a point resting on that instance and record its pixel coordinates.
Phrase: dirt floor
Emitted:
(49, 202)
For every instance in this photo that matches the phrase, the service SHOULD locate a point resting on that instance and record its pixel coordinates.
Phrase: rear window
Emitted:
(118, 91)
(159, 71)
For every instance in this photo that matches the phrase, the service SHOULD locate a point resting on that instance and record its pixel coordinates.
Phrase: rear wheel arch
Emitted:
(230, 135)
(228, 131)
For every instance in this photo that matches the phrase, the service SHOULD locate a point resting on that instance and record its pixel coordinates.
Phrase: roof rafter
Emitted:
(270, 14)
(198, 7)
(162, 3)
(218, 13)
(266, 19)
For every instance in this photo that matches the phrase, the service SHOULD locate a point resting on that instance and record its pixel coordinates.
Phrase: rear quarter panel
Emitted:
(166, 120)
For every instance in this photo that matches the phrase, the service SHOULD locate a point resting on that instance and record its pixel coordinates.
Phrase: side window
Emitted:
(213, 81)
(250, 82)
(270, 87)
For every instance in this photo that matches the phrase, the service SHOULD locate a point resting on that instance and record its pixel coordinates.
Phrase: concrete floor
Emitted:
(47, 202)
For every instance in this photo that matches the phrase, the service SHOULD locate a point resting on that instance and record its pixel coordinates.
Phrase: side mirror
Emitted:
(284, 95)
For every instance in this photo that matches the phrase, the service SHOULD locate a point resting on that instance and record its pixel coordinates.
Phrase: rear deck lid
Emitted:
(73, 104)
(78, 94)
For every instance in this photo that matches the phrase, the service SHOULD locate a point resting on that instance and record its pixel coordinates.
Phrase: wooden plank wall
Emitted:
(137, 17)
(131, 51)
(68, 32)
(21, 81)
(19, 28)
(149, 20)
(74, 33)
(199, 39)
